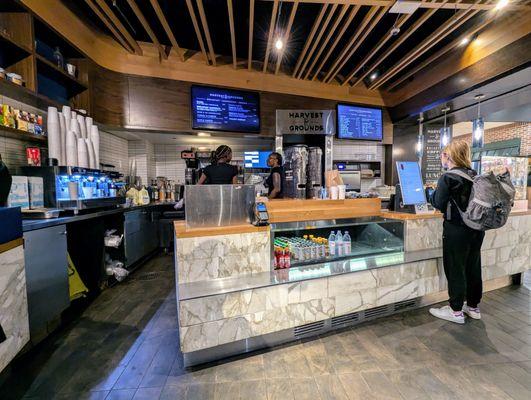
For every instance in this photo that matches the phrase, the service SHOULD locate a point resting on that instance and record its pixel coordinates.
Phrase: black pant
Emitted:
(462, 264)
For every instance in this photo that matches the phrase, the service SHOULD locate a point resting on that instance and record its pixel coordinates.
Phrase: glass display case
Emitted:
(311, 242)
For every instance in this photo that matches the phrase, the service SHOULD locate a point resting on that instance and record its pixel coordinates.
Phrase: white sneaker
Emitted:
(448, 314)
(472, 312)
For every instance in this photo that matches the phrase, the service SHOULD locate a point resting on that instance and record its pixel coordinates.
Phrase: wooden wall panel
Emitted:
(138, 102)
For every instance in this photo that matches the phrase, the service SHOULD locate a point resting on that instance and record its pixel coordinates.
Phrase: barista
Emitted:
(220, 172)
(276, 179)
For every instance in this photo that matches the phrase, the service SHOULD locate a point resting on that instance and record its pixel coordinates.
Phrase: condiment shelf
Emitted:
(47, 68)
(13, 133)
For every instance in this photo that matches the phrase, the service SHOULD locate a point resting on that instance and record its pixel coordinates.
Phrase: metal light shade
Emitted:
(478, 133)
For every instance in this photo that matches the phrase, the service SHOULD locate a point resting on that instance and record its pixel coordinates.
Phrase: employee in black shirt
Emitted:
(275, 180)
(461, 244)
(220, 172)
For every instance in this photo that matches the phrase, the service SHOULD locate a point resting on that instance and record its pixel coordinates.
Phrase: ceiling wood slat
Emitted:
(353, 40)
(459, 19)
(164, 22)
(147, 28)
(191, 11)
(270, 34)
(402, 20)
(324, 45)
(403, 37)
(204, 23)
(350, 17)
(118, 24)
(440, 53)
(232, 33)
(360, 41)
(310, 38)
(285, 39)
(109, 26)
(251, 26)
(317, 39)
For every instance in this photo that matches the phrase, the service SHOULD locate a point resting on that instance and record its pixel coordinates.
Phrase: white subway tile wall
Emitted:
(114, 151)
(168, 161)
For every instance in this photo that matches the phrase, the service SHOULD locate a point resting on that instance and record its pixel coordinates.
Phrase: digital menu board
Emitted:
(219, 109)
(359, 123)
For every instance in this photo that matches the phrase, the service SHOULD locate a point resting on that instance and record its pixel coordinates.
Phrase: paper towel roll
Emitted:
(82, 153)
(62, 126)
(95, 137)
(54, 134)
(71, 149)
(82, 126)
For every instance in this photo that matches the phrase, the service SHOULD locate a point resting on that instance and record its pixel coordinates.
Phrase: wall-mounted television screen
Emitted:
(219, 109)
(359, 123)
(255, 159)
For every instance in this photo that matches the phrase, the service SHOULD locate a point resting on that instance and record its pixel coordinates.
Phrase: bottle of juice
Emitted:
(287, 258)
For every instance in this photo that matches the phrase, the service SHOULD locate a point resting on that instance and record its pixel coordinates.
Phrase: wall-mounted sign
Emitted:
(431, 159)
(306, 122)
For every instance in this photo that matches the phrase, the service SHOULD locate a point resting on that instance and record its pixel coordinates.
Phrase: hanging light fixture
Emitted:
(478, 126)
(419, 146)
(279, 43)
(445, 132)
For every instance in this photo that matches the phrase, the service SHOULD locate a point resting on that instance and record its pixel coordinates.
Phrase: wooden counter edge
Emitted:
(181, 231)
(11, 245)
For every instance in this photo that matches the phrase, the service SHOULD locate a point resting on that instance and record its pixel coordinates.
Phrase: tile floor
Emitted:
(125, 346)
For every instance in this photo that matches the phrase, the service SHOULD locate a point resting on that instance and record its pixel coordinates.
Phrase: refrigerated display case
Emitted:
(305, 243)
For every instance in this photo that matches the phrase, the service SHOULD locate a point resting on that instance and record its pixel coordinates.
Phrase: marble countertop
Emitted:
(33, 224)
(191, 290)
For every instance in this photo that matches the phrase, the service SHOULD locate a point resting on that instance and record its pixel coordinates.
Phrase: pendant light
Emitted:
(478, 126)
(445, 132)
(419, 146)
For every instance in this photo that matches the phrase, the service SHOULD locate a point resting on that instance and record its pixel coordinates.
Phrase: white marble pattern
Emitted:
(421, 234)
(222, 256)
(13, 304)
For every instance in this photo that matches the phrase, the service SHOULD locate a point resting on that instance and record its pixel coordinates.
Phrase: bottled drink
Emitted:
(339, 244)
(332, 244)
(347, 243)
(287, 258)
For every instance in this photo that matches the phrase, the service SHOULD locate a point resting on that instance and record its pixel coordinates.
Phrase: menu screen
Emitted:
(255, 159)
(359, 123)
(410, 182)
(219, 109)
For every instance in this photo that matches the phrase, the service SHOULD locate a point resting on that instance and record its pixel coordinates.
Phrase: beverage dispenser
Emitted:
(305, 138)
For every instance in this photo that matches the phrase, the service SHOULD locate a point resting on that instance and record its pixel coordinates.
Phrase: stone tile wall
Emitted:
(13, 304)
(211, 257)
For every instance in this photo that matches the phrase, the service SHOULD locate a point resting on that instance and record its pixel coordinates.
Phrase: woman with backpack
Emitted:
(461, 244)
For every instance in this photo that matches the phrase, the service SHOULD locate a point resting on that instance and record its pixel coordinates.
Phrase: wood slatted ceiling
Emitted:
(335, 41)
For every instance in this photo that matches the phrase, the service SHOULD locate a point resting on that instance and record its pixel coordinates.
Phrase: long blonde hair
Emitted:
(458, 151)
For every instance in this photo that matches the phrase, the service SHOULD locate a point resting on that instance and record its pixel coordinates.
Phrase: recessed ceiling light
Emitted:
(464, 41)
(279, 44)
(205, 134)
(373, 76)
(501, 4)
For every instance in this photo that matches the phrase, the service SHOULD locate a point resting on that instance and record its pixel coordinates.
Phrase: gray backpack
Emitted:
(490, 201)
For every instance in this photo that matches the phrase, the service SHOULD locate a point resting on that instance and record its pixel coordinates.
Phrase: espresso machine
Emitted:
(76, 188)
(195, 162)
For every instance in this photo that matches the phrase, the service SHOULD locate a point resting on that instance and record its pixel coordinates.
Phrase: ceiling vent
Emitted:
(405, 7)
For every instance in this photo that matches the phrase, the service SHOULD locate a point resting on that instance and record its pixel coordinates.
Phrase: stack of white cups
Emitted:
(73, 139)
(54, 134)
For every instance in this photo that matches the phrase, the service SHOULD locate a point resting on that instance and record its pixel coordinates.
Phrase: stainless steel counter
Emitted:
(33, 224)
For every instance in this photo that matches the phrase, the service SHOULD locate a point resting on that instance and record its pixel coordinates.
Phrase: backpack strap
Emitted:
(460, 173)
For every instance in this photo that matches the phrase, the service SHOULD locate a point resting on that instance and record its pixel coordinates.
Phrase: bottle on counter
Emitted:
(287, 258)
(162, 193)
(347, 243)
(339, 244)
(332, 244)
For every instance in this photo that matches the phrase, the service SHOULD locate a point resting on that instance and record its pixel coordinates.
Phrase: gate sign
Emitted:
(306, 122)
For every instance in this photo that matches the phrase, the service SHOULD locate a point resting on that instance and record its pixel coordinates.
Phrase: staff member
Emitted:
(220, 172)
(461, 244)
(275, 180)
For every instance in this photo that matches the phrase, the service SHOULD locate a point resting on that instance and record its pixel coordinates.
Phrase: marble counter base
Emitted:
(212, 257)
(13, 304)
